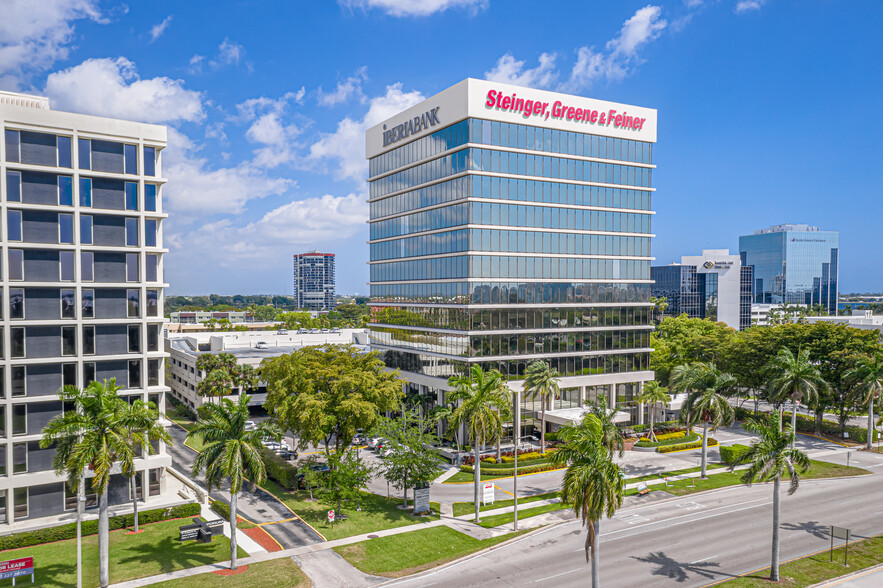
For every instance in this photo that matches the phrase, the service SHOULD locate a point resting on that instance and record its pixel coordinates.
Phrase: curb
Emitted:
(507, 477)
(280, 501)
(474, 555)
(847, 577)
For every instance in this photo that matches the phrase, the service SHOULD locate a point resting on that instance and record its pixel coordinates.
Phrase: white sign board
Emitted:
(487, 496)
(330, 516)
(421, 499)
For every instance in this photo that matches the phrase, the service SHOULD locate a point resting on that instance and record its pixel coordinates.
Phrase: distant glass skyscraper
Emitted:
(314, 280)
(794, 264)
(507, 225)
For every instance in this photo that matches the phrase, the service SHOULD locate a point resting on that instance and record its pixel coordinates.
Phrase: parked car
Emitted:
(314, 331)
(335, 330)
(281, 332)
(289, 454)
(325, 331)
(385, 451)
(302, 331)
(261, 345)
(316, 467)
(250, 426)
(374, 441)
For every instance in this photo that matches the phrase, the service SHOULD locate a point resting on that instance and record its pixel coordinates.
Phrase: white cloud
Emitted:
(749, 6)
(112, 87)
(415, 7)
(511, 71)
(270, 128)
(228, 54)
(157, 30)
(32, 37)
(693, 3)
(314, 222)
(351, 86)
(195, 187)
(346, 146)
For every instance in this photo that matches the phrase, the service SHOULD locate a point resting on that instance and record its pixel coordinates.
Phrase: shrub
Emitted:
(683, 446)
(680, 440)
(222, 509)
(279, 470)
(667, 436)
(69, 531)
(529, 456)
(809, 425)
(733, 454)
(531, 469)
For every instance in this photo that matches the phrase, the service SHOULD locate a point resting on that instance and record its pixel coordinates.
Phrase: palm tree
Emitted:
(478, 397)
(593, 484)
(867, 376)
(230, 451)
(653, 394)
(611, 435)
(684, 379)
(541, 381)
(94, 435)
(144, 428)
(707, 405)
(794, 377)
(770, 457)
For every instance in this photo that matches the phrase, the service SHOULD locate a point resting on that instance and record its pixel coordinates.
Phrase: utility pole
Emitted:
(517, 426)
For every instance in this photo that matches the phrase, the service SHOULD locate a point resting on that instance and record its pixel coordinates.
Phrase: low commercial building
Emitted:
(760, 313)
(203, 316)
(249, 348)
(866, 320)
(714, 286)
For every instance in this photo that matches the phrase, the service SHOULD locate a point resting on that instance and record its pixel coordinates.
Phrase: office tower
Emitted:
(82, 287)
(509, 224)
(714, 286)
(314, 281)
(794, 264)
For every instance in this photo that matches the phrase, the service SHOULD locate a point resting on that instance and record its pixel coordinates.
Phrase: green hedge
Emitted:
(676, 441)
(486, 471)
(733, 454)
(657, 427)
(683, 446)
(808, 425)
(69, 531)
(222, 509)
(279, 470)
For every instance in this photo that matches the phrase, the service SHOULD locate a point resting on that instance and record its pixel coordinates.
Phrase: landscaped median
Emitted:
(275, 573)
(400, 555)
(818, 567)
(528, 463)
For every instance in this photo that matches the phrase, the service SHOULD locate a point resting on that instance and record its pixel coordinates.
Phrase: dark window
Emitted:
(153, 372)
(153, 303)
(134, 339)
(153, 482)
(68, 307)
(152, 337)
(17, 336)
(19, 419)
(87, 266)
(19, 374)
(65, 191)
(132, 267)
(133, 297)
(150, 197)
(3, 473)
(66, 228)
(20, 497)
(131, 196)
(66, 261)
(152, 269)
(132, 232)
(13, 224)
(131, 155)
(88, 373)
(16, 264)
(2, 395)
(134, 373)
(149, 161)
(86, 229)
(13, 186)
(86, 192)
(16, 303)
(87, 303)
(150, 230)
(68, 374)
(68, 341)
(64, 151)
(70, 497)
(88, 340)
(13, 140)
(84, 149)
(19, 459)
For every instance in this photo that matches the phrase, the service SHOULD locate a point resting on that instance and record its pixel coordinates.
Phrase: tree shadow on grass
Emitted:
(675, 570)
(172, 554)
(814, 528)
(48, 575)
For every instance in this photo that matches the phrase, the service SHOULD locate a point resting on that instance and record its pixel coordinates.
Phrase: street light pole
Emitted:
(517, 423)
(81, 499)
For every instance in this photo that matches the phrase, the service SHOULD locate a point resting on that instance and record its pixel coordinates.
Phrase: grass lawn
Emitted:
(276, 573)
(408, 553)
(501, 519)
(818, 469)
(461, 477)
(661, 475)
(817, 568)
(155, 551)
(194, 443)
(378, 513)
(464, 508)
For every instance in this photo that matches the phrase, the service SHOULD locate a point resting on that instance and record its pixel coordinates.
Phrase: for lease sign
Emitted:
(16, 567)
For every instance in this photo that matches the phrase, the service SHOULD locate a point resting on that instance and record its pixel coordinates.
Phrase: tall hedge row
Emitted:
(808, 425)
(279, 470)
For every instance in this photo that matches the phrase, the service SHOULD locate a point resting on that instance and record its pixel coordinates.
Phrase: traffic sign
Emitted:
(330, 516)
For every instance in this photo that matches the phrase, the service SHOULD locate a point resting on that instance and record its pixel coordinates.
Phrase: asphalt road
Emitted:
(257, 506)
(689, 542)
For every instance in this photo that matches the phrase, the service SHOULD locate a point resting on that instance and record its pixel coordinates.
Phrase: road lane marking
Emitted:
(556, 575)
(703, 559)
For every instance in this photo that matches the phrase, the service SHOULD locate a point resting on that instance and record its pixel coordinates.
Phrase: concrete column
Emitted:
(611, 396)
(640, 405)
(439, 401)
(9, 506)
(582, 395)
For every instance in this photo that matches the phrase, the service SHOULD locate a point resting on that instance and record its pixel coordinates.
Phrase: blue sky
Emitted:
(769, 111)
